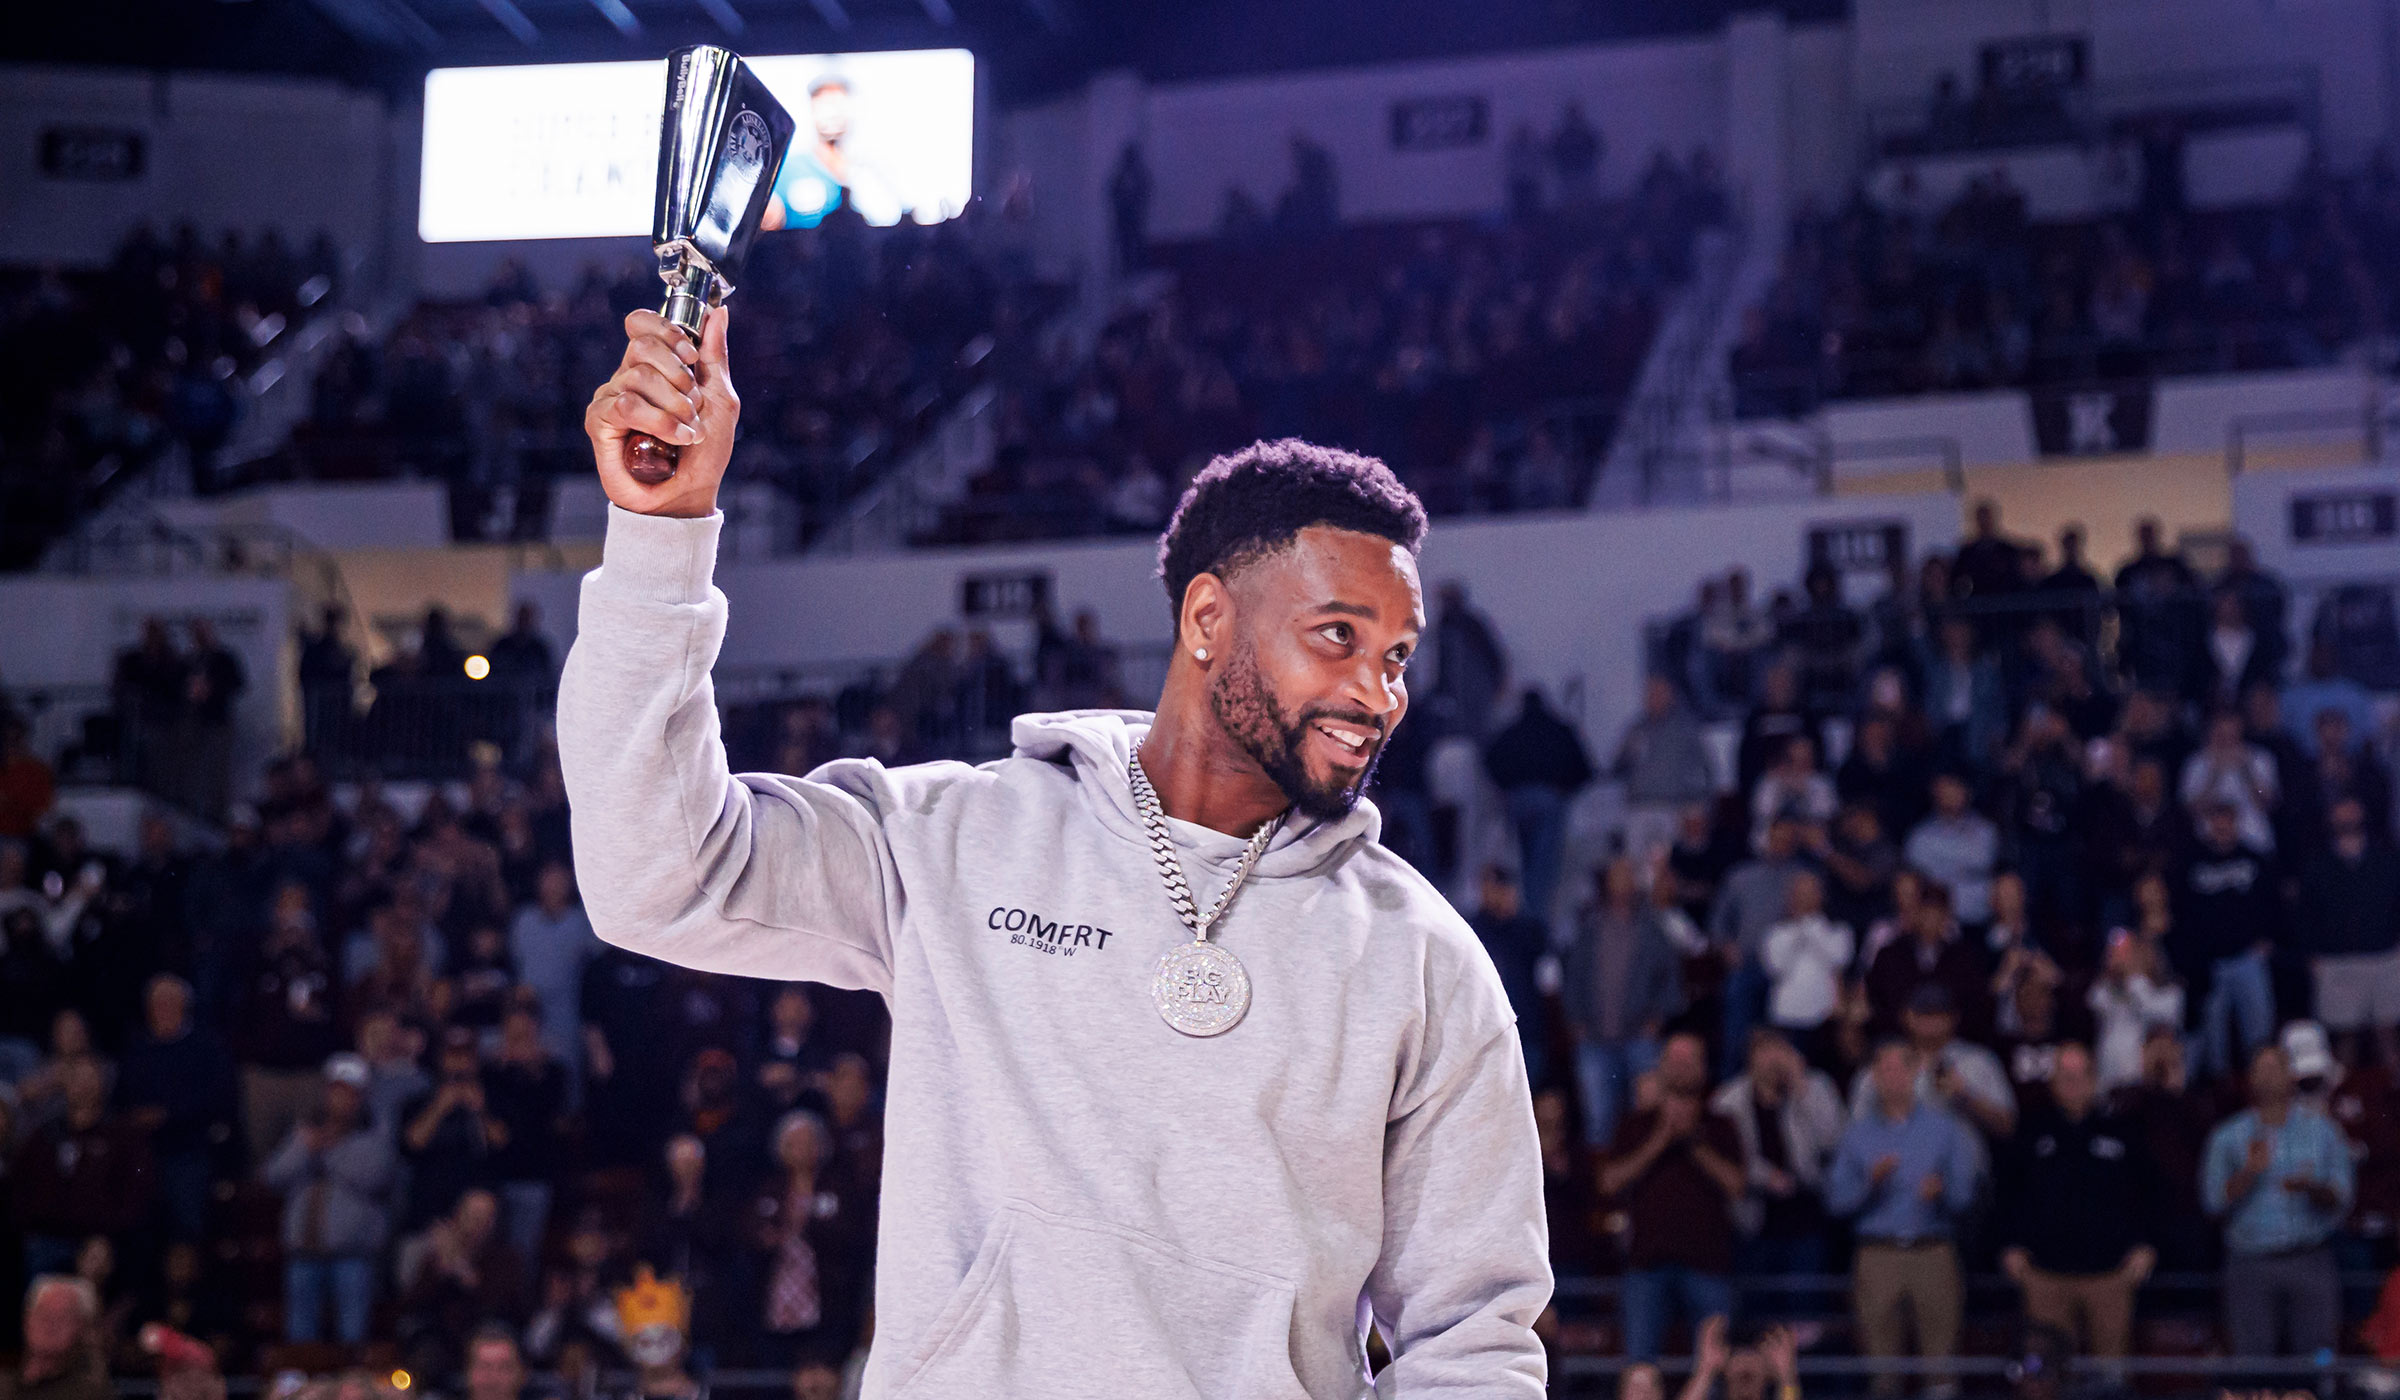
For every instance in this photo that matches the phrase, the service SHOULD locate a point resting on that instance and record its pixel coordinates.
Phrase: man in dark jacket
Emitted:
(1622, 983)
(88, 1173)
(1539, 763)
(2073, 1230)
(1516, 940)
(2228, 919)
(2349, 924)
(178, 1081)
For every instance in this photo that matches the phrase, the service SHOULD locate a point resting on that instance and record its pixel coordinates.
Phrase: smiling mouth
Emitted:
(1346, 741)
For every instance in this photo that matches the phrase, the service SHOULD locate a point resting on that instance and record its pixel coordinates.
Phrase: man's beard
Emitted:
(1247, 711)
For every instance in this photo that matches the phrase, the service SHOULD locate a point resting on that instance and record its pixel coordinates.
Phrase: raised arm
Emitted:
(761, 876)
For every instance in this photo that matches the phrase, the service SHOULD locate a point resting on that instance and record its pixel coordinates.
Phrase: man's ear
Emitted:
(1206, 622)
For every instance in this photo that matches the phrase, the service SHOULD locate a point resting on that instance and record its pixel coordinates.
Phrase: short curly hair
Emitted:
(1247, 505)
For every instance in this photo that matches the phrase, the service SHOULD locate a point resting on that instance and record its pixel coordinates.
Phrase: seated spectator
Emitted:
(1789, 1118)
(1807, 955)
(495, 1368)
(336, 1174)
(2228, 921)
(2134, 998)
(2278, 1175)
(1905, 1173)
(1931, 952)
(2072, 1233)
(456, 1275)
(1663, 763)
(1623, 981)
(1959, 847)
(1675, 1169)
(63, 1359)
(2348, 921)
(2347, 768)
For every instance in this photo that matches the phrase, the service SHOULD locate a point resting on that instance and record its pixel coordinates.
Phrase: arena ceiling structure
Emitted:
(1030, 47)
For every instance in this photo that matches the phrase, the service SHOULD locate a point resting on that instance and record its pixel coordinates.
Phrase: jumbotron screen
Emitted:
(570, 150)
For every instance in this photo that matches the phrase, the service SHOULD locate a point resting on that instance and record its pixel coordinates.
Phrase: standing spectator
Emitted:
(88, 1173)
(1790, 1119)
(2278, 1174)
(2133, 998)
(285, 1026)
(1780, 716)
(178, 1084)
(552, 942)
(2236, 657)
(1807, 955)
(1516, 941)
(1961, 1077)
(1906, 1172)
(815, 1252)
(2158, 614)
(2323, 687)
(528, 1091)
(1827, 637)
(2072, 576)
(1129, 206)
(2073, 1229)
(335, 1172)
(460, 1272)
(522, 655)
(1523, 173)
(1860, 863)
(450, 1134)
(328, 671)
(1622, 983)
(1539, 764)
(149, 689)
(1990, 563)
(213, 681)
(1663, 762)
(391, 1048)
(1879, 773)
(1576, 148)
(1958, 847)
(1930, 952)
(2229, 769)
(2349, 923)
(1469, 667)
(1965, 702)
(27, 786)
(63, 1358)
(2228, 920)
(1676, 1170)
(1792, 788)
(1753, 899)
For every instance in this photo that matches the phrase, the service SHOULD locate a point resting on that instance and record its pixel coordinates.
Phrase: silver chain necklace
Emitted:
(1200, 988)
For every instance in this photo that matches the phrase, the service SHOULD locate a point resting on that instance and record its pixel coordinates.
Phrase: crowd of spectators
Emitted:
(105, 368)
(850, 339)
(364, 1077)
(2001, 950)
(1486, 359)
(1898, 296)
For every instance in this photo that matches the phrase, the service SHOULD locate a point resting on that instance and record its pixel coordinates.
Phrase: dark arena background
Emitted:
(1914, 589)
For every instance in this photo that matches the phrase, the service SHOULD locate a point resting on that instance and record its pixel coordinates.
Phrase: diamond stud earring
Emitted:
(1199, 653)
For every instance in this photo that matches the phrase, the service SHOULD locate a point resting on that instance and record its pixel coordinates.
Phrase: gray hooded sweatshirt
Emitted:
(1078, 1201)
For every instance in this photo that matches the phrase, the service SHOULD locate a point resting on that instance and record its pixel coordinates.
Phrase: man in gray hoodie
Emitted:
(1133, 1148)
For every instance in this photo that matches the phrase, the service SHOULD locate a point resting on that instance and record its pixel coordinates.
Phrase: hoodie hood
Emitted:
(1098, 744)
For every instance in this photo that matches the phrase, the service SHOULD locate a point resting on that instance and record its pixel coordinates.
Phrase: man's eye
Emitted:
(1336, 632)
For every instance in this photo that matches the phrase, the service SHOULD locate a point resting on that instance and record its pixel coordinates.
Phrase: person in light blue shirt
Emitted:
(2279, 1175)
(1905, 1172)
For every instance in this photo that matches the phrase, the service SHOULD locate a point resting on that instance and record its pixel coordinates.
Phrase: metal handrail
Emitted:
(2243, 426)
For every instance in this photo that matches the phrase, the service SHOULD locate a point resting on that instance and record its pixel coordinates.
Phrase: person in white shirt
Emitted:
(1805, 955)
(2232, 770)
(2133, 997)
(1793, 788)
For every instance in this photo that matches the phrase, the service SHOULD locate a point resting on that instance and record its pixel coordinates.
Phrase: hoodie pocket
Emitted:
(1063, 1308)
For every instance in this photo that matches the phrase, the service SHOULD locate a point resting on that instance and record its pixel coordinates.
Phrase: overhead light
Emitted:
(478, 667)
